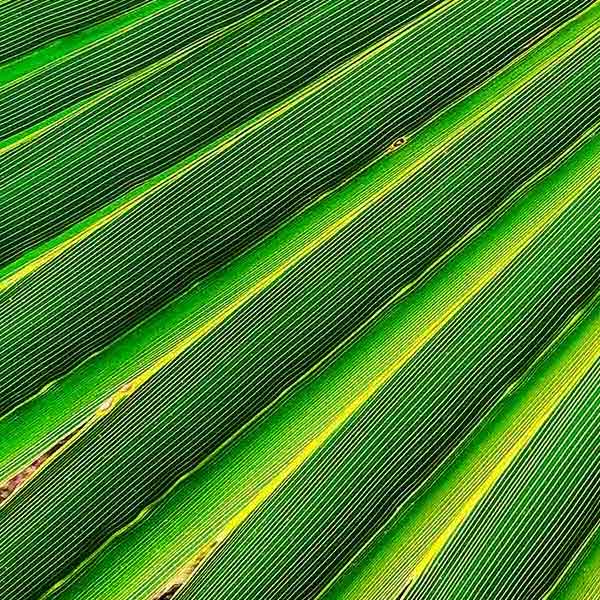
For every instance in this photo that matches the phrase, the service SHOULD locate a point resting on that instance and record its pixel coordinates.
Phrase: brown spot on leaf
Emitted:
(398, 143)
(12, 484)
(404, 591)
(184, 574)
(168, 594)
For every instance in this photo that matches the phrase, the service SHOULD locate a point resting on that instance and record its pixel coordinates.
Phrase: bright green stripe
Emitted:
(211, 147)
(62, 48)
(75, 110)
(78, 166)
(520, 71)
(31, 21)
(257, 78)
(384, 567)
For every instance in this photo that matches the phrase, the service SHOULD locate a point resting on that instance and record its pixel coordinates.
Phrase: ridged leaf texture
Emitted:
(300, 300)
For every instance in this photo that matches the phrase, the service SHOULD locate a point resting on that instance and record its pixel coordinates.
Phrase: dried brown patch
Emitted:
(184, 574)
(168, 594)
(16, 481)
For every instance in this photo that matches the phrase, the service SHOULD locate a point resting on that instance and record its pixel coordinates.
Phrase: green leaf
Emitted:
(62, 287)
(534, 515)
(68, 402)
(177, 29)
(293, 293)
(132, 428)
(201, 506)
(31, 24)
(194, 105)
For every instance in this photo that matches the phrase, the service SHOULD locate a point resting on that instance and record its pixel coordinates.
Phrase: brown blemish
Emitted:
(404, 592)
(167, 595)
(182, 577)
(105, 406)
(397, 143)
(16, 481)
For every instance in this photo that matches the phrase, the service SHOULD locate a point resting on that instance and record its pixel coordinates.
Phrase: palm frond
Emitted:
(299, 299)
